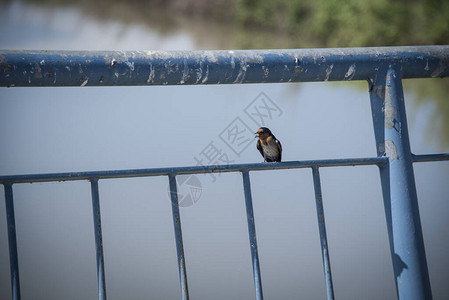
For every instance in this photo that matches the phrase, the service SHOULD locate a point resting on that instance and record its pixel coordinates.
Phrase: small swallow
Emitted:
(268, 145)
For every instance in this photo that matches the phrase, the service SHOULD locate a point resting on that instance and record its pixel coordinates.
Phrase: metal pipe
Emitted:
(409, 260)
(430, 157)
(112, 68)
(191, 170)
(323, 236)
(98, 239)
(178, 236)
(12, 242)
(377, 98)
(252, 235)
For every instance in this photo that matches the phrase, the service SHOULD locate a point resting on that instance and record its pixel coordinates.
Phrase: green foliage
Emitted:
(333, 23)
(436, 14)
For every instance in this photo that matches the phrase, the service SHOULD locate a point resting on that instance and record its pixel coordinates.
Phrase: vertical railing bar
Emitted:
(178, 236)
(377, 96)
(12, 242)
(322, 230)
(409, 257)
(98, 239)
(252, 235)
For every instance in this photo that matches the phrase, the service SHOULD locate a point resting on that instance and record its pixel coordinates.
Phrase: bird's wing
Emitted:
(259, 147)
(279, 148)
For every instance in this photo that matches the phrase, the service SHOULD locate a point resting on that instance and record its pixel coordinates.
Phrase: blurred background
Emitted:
(46, 130)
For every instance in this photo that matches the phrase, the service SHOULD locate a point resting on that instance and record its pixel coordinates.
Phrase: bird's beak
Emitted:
(257, 135)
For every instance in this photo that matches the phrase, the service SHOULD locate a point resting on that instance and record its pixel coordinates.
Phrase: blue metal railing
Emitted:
(383, 68)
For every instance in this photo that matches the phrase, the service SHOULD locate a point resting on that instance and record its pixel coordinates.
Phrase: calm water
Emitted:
(75, 129)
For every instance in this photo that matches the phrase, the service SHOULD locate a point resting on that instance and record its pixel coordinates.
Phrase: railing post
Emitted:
(12, 242)
(178, 237)
(98, 239)
(398, 186)
(252, 235)
(377, 96)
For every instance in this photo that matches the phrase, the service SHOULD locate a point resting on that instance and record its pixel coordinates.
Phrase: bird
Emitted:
(268, 145)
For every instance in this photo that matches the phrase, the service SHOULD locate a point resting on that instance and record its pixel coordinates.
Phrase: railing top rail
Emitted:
(108, 174)
(120, 68)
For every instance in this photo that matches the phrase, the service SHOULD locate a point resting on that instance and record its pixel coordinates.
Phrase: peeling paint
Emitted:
(185, 73)
(391, 150)
(239, 66)
(151, 76)
(379, 90)
(130, 65)
(199, 73)
(242, 72)
(265, 71)
(389, 109)
(211, 57)
(37, 71)
(328, 72)
(351, 72)
(438, 71)
(206, 77)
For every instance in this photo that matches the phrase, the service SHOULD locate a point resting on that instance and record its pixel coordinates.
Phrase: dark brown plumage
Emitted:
(268, 145)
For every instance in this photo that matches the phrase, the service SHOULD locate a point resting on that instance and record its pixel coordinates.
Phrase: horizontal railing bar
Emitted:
(191, 170)
(120, 68)
(210, 169)
(430, 157)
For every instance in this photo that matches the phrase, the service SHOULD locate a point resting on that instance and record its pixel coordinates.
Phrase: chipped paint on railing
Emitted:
(111, 68)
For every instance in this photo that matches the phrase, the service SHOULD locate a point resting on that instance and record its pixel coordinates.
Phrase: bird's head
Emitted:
(263, 132)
